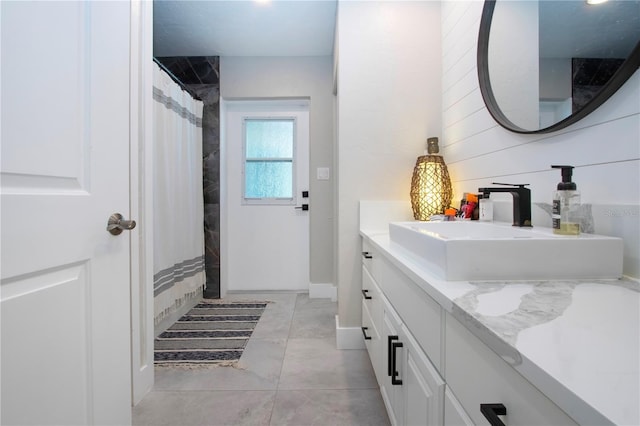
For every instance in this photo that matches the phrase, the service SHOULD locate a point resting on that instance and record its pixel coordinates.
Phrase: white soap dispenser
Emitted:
(566, 205)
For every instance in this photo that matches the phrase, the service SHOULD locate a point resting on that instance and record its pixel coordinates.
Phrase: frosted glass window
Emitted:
(269, 138)
(269, 153)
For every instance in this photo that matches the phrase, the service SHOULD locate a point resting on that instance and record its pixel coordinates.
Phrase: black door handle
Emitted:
(390, 340)
(492, 411)
(364, 293)
(303, 207)
(367, 255)
(394, 380)
(364, 331)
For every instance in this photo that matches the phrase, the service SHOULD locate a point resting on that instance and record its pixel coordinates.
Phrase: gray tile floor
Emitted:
(290, 374)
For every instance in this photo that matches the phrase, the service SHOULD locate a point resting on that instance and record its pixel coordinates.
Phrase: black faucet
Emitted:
(521, 201)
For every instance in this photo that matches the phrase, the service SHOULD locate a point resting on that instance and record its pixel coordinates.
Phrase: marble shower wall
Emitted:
(200, 75)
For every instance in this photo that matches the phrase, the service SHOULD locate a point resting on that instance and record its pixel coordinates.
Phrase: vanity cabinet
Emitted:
(410, 383)
(409, 336)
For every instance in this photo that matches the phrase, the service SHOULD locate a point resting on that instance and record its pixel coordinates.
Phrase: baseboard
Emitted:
(323, 291)
(349, 337)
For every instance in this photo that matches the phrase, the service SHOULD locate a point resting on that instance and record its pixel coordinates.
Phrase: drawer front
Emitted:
(371, 259)
(367, 255)
(373, 343)
(478, 376)
(372, 296)
(420, 313)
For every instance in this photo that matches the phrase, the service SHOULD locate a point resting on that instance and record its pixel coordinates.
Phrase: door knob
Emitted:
(117, 224)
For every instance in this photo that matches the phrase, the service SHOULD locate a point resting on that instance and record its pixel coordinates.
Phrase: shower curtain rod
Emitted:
(176, 80)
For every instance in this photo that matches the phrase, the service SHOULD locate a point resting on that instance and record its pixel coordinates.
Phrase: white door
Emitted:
(65, 169)
(267, 238)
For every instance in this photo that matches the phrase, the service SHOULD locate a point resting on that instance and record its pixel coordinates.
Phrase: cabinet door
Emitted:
(392, 394)
(454, 414)
(423, 386)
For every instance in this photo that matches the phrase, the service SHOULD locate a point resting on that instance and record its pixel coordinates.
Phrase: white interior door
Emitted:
(65, 301)
(267, 240)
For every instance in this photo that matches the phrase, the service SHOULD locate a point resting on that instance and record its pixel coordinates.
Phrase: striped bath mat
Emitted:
(209, 334)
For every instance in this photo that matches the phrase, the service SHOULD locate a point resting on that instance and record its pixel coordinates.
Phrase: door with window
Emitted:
(266, 202)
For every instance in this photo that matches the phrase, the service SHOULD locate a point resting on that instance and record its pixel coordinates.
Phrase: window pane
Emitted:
(268, 179)
(269, 138)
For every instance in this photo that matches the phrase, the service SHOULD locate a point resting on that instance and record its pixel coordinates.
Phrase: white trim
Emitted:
(141, 199)
(323, 291)
(349, 337)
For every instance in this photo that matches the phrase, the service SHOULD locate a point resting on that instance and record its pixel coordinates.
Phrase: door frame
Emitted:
(141, 197)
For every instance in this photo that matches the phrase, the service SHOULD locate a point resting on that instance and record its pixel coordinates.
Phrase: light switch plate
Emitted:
(322, 173)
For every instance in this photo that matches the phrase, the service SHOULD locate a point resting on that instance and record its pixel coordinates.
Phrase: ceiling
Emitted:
(243, 27)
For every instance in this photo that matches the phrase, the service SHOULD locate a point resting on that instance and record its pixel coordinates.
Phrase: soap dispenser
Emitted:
(566, 205)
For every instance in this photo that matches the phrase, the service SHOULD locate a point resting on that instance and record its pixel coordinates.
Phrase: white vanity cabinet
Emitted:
(431, 369)
(410, 383)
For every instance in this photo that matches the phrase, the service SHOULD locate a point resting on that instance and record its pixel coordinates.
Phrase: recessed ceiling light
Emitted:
(596, 1)
(262, 1)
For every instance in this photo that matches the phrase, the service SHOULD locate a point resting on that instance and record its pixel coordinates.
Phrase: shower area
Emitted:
(186, 140)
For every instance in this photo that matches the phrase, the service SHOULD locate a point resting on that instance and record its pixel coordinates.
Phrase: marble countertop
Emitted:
(577, 341)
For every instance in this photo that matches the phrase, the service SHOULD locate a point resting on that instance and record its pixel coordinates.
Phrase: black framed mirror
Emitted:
(544, 65)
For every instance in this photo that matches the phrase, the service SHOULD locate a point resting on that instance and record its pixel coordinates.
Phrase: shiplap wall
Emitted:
(604, 147)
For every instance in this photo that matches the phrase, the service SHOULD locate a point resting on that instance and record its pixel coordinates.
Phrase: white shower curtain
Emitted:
(178, 202)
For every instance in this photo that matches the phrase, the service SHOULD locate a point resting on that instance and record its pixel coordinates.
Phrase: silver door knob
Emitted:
(117, 224)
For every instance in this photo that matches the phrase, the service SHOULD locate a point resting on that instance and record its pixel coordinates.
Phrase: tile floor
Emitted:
(290, 374)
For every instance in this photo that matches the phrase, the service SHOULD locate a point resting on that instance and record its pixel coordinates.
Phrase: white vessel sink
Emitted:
(465, 251)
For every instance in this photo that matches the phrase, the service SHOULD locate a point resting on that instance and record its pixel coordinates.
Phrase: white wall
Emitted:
(297, 77)
(604, 147)
(513, 61)
(389, 78)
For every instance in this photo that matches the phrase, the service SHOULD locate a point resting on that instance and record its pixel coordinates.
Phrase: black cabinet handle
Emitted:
(364, 331)
(367, 255)
(492, 411)
(390, 340)
(394, 375)
(364, 293)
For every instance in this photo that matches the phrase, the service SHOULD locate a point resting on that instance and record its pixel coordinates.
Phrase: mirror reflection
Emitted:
(548, 60)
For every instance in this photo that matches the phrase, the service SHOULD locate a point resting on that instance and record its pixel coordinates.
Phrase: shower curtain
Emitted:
(178, 202)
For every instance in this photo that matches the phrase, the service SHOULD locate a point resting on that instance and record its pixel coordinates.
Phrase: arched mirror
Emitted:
(544, 65)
